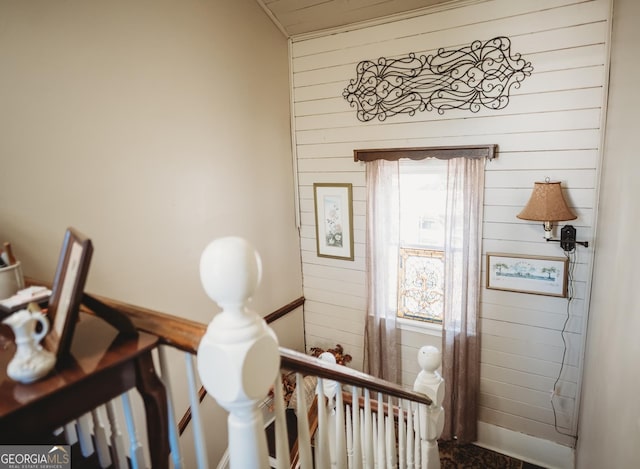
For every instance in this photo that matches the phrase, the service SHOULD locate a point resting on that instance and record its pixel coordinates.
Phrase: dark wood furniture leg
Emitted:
(154, 396)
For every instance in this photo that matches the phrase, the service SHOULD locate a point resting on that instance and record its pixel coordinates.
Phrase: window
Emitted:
(423, 197)
(420, 244)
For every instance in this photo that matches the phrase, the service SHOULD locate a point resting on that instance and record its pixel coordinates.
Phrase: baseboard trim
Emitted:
(525, 447)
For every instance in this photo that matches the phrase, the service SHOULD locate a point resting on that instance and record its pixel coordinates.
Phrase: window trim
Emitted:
(420, 153)
(421, 327)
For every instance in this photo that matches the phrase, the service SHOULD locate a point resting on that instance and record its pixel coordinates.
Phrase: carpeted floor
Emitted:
(455, 456)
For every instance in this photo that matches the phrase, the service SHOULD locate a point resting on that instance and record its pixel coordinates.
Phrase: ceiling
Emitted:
(298, 17)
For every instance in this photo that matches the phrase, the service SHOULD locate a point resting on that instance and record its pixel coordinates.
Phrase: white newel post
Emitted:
(431, 417)
(238, 357)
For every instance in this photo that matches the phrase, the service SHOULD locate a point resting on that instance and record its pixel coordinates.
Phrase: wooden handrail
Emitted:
(181, 333)
(186, 418)
(286, 309)
(299, 362)
(202, 392)
(185, 334)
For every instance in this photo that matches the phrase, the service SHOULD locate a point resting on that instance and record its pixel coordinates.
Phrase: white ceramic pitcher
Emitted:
(31, 361)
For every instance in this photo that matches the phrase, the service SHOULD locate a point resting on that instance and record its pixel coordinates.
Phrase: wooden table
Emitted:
(104, 364)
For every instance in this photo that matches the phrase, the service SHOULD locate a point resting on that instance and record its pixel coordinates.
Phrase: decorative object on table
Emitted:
(13, 295)
(528, 274)
(67, 291)
(334, 220)
(11, 278)
(31, 361)
(7, 254)
(480, 75)
(289, 378)
(33, 294)
(338, 352)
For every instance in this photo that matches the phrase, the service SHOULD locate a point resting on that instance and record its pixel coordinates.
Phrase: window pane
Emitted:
(420, 284)
(423, 186)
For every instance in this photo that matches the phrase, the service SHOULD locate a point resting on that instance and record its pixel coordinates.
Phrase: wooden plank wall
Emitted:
(552, 127)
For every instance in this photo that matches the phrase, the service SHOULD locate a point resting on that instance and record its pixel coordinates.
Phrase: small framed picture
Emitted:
(67, 291)
(528, 274)
(334, 220)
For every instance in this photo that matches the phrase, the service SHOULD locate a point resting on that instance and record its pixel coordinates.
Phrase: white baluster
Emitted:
(329, 389)
(417, 448)
(357, 438)
(349, 439)
(410, 437)
(70, 433)
(283, 457)
(391, 436)
(118, 448)
(430, 383)
(401, 435)
(369, 460)
(84, 435)
(238, 357)
(304, 439)
(322, 452)
(136, 452)
(196, 422)
(102, 442)
(341, 448)
(374, 435)
(380, 442)
(174, 440)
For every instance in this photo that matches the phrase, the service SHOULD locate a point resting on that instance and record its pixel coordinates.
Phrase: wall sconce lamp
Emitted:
(547, 205)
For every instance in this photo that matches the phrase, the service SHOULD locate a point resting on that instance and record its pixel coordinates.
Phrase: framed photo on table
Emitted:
(67, 292)
(333, 205)
(528, 274)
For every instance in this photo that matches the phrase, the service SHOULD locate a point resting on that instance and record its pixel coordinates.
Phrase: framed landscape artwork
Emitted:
(528, 274)
(333, 205)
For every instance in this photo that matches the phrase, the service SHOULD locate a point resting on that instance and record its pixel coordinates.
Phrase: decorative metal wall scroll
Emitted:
(475, 76)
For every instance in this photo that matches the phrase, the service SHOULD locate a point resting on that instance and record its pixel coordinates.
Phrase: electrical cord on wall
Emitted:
(572, 263)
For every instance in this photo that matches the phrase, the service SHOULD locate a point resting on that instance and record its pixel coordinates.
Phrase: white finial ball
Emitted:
(429, 358)
(230, 270)
(327, 357)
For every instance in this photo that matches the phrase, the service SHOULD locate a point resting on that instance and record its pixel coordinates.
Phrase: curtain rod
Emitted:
(419, 153)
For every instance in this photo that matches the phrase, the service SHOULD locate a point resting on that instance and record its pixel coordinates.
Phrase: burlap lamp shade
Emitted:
(547, 205)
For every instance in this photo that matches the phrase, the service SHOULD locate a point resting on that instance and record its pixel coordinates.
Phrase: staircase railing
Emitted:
(182, 334)
(360, 421)
(239, 346)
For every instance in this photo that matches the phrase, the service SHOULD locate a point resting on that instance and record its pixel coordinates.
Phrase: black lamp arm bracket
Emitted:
(568, 239)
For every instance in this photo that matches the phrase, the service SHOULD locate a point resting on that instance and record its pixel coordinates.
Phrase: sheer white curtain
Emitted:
(463, 254)
(463, 248)
(383, 208)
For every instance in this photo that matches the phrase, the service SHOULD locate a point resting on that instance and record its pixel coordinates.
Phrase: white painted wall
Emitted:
(153, 127)
(552, 127)
(610, 410)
